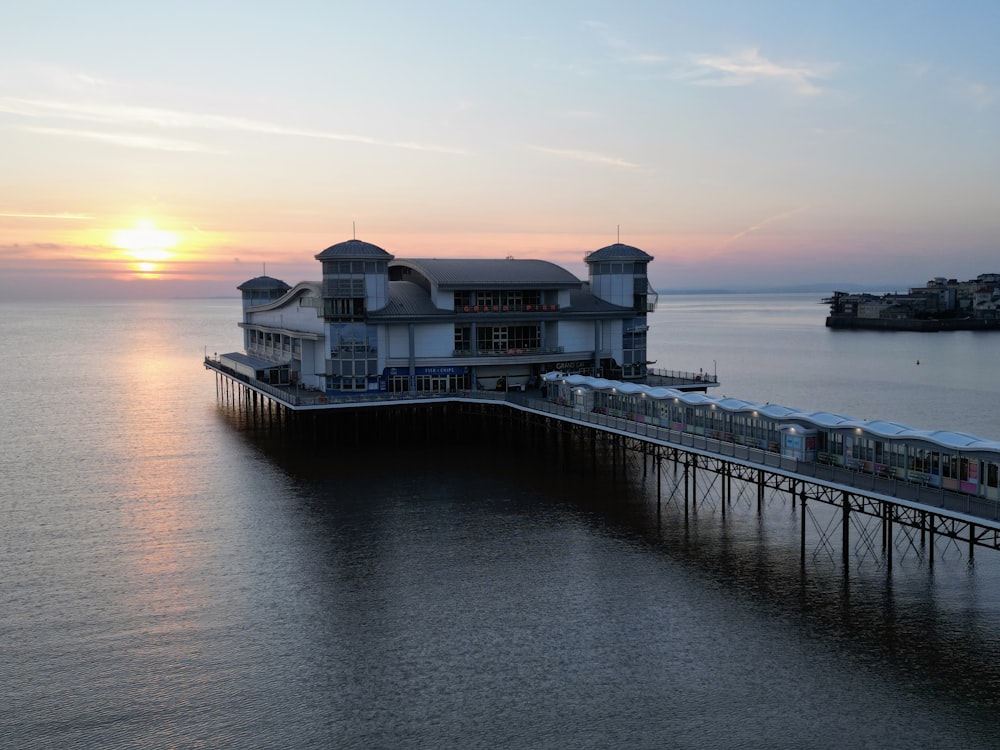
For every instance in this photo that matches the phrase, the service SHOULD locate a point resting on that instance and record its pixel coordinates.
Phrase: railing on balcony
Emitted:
(652, 297)
(658, 377)
(353, 351)
(533, 308)
(511, 352)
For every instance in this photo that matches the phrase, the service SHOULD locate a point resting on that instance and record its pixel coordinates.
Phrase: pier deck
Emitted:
(855, 494)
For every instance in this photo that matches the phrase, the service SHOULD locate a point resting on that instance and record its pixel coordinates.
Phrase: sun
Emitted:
(148, 247)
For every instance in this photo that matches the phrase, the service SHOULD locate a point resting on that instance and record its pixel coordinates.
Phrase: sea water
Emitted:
(171, 580)
(774, 348)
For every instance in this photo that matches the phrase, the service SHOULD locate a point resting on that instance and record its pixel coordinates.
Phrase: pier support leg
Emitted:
(722, 486)
(882, 509)
(802, 530)
(846, 551)
(694, 483)
(686, 486)
(729, 483)
(659, 478)
(887, 536)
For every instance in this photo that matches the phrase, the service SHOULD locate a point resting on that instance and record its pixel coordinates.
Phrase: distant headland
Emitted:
(941, 305)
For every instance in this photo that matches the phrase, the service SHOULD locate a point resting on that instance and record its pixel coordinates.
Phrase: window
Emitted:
(863, 449)
(508, 338)
(335, 383)
(354, 349)
(897, 455)
(497, 300)
(835, 444)
(634, 348)
(336, 287)
(351, 307)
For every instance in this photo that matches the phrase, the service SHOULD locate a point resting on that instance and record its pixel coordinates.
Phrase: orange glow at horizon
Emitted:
(148, 247)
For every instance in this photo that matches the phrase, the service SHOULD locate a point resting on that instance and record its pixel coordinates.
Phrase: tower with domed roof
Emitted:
(617, 274)
(355, 279)
(355, 283)
(262, 290)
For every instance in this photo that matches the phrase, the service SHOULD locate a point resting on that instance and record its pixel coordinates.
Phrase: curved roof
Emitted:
(263, 283)
(618, 251)
(483, 273)
(408, 299)
(585, 301)
(956, 441)
(353, 249)
(303, 288)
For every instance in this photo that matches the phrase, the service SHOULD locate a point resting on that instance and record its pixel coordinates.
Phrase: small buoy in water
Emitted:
(918, 361)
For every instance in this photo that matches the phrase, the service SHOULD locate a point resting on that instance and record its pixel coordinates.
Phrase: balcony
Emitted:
(512, 352)
(354, 351)
(506, 308)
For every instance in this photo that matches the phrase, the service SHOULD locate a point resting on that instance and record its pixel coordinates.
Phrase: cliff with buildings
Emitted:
(942, 305)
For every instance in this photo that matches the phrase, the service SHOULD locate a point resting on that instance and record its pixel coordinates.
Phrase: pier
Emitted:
(845, 515)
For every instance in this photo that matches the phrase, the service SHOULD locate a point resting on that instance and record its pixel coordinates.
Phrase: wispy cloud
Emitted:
(37, 254)
(979, 95)
(970, 91)
(645, 58)
(68, 217)
(744, 68)
(585, 156)
(128, 140)
(763, 223)
(129, 115)
(604, 32)
(749, 68)
(624, 50)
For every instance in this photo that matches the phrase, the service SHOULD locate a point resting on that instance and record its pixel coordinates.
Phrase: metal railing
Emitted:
(508, 307)
(679, 376)
(511, 352)
(937, 497)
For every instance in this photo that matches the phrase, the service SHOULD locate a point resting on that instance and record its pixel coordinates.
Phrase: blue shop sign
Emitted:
(443, 370)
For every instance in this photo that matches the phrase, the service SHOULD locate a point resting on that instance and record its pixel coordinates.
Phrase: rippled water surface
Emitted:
(775, 348)
(171, 579)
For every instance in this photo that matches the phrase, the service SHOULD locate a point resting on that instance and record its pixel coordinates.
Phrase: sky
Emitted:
(181, 148)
